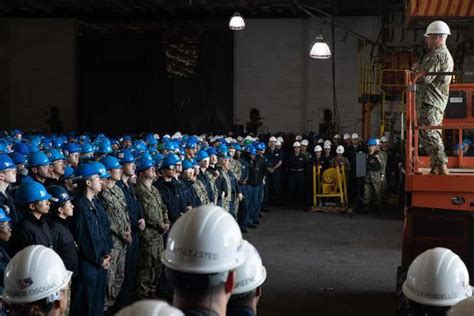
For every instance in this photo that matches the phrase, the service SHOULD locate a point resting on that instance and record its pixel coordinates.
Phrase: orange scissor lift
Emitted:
(438, 208)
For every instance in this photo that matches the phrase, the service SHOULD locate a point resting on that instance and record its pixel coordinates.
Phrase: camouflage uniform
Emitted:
(116, 206)
(383, 161)
(431, 99)
(201, 192)
(372, 190)
(236, 169)
(151, 240)
(224, 185)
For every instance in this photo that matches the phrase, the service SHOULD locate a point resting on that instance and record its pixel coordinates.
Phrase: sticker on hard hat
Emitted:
(245, 282)
(436, 296)
(196, 253)
(24, 283)
(31, 292)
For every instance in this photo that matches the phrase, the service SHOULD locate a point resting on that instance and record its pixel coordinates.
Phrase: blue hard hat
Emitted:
(144, 162)
(260, 146)
(103, 173)
(187, 164)
(59, 194)
(71, 148)
(222, 148)
(126, 156)
(3, 216)
(224, 155)
(170, 146)
(104, 147)
(31, 191)
(4, 148)
(236, 146)
(252, 150)
(127, 138)
(372, 142)
(467, 141)
(55, 154)
(87, 149)
(6, 162)
(85, 171)
(212, 151)
(38, 158)
(110, 162)
(16, 131)
(56, 142)
(68, 172)
(18, 159)
(201, 154)
(170, 160)
(21, 148)
(190, 144)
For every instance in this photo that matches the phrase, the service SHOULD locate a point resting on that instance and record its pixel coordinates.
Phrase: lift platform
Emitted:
(438, 208)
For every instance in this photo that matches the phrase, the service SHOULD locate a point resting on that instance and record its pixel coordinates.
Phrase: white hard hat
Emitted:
(166, 136)
(298, 137)
(320, 141)
(248, 137)
(156, 136)
(437, 27)
(317, 148)
(251, 274)
(278, 143)
(463, 308)
(346, 136)
(355, 136)
(280, 139)
(337, 136)
(327, 142)
(206, 239)
(272, 139)
(240, 138)
(340, 149)
(229, 139)
(33, 274)
(304, 142)
(150, 308)
(377, 141)
(296, 144)
(383, 139)
(327, 146)
(176, 135)
(437, 277)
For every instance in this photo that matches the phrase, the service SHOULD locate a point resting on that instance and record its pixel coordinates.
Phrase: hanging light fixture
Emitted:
(320, 49)
(236, 22)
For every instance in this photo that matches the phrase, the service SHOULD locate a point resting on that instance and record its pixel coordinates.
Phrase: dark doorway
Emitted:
(128, 82)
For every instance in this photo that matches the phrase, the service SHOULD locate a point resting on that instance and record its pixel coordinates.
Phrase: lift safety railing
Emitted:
(412, 163)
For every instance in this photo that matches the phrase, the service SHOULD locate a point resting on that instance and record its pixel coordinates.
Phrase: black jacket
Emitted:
(30, 231)
(63, 242)
(173, 197)
(7, 203)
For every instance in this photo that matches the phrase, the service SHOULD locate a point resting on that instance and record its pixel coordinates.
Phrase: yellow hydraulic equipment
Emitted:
(330, 183)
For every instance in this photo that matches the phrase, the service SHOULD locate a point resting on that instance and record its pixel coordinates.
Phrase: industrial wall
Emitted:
(38, 72)
(274, 73)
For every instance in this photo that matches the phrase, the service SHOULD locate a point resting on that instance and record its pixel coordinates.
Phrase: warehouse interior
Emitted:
(127, 74)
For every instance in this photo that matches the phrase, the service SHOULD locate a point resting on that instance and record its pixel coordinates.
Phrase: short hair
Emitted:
(196, 286)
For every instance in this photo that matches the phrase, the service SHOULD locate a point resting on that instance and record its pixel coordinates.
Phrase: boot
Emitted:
(434, 170)
(443, 169)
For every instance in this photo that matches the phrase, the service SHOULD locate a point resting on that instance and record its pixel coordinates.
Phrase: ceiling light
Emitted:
(320, 49)
(236, 22)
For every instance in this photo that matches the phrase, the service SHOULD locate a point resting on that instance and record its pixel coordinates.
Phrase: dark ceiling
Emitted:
(186, 9)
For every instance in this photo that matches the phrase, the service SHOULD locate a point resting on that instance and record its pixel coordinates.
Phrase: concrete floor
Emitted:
(326, 264)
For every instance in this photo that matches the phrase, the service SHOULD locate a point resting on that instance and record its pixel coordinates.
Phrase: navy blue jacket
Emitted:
(173, 197)
(86, 227)
(63, 242)
(191, 195)
(135, 210)
(7, 203)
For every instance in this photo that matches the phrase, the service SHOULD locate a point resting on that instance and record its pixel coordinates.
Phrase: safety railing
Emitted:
(412, 163)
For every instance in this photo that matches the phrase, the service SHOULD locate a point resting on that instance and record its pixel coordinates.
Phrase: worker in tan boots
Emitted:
(433, 92)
